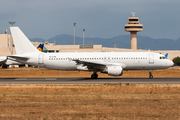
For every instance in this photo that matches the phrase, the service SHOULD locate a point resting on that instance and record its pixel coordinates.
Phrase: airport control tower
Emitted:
(133, 26)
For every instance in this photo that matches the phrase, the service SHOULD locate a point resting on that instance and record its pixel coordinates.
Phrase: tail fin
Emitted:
(21, 42)
(166, 55)
(40, 47)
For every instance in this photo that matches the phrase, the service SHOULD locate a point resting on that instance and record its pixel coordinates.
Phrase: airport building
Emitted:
(6, 45)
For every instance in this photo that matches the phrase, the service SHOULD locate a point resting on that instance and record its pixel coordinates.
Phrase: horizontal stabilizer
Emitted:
(3, 60)
(18, 58)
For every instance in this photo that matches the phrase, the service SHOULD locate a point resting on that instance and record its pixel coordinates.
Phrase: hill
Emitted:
(123, 41)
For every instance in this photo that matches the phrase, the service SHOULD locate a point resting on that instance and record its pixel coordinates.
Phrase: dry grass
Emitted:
(52, 102)
(40, 72)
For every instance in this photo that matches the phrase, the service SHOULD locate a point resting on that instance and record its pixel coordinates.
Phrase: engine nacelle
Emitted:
(115, 70)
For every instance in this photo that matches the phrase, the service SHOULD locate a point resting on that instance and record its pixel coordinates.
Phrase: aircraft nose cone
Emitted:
(171, 64)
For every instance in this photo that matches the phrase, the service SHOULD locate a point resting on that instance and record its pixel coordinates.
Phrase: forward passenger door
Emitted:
(151, 58)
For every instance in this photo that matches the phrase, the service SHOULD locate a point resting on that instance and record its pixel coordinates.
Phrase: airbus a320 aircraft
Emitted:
(112, 63)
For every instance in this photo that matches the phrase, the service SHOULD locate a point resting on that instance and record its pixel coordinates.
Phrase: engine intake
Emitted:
(114, 70)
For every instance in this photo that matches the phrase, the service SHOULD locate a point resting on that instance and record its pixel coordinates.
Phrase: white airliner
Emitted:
(112, 63)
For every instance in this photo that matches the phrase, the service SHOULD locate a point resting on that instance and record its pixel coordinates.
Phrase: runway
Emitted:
(89, 81)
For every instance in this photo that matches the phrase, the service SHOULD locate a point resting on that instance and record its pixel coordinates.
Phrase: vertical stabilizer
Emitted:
(21, 42)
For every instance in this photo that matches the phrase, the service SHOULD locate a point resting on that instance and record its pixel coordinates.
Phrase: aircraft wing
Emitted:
(89, 63)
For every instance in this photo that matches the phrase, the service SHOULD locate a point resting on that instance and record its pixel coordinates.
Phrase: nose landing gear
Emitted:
(150, 75)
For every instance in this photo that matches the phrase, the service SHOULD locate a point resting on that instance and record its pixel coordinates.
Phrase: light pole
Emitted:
(12, 23)
(74, 32)
(114, 44)
(92, 40)
(83, 35)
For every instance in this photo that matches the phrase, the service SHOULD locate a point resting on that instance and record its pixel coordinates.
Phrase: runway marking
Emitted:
(19, 79)
(35, 79)
(51, 79)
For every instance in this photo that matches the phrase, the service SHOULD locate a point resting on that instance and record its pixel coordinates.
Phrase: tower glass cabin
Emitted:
(133, 27)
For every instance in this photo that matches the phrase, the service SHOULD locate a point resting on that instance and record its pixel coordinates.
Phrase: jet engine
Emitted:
(113, 70)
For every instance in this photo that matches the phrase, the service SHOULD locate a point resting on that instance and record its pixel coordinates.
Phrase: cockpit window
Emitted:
(163, 58)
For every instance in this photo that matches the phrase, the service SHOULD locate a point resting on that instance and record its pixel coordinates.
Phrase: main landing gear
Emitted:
(4, 66)
(150, 74)
(94, 75)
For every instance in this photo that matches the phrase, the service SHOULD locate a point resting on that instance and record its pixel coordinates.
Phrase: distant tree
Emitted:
(176, 60)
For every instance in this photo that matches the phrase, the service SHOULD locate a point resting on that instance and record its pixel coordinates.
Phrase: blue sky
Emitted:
(100, 18)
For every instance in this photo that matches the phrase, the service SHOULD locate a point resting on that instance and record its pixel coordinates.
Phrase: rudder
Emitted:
(21, 42)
